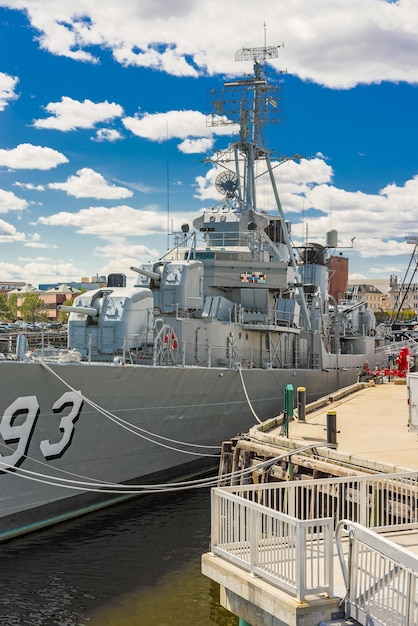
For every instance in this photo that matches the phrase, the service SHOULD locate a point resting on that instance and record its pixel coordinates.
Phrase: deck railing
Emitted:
(284, 532)
(295, 555)
(381, 578)
(379, 501)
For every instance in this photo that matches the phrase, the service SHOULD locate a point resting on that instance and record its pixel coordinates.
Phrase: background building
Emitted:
(403, 296)
(369, 294)
(6, 287)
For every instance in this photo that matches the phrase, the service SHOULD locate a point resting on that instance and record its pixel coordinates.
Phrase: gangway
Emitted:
(380, 577)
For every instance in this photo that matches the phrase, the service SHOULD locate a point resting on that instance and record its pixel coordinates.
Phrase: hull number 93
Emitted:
(18, 425)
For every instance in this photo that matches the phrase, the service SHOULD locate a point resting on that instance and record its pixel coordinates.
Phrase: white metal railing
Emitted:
(394, 347)
(283, 532)
(381, 578)
(379, 501)
(295, 555)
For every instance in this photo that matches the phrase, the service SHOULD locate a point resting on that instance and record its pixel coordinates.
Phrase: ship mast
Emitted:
(252, 102)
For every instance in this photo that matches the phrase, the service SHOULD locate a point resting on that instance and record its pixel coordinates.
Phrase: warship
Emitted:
(157, 375)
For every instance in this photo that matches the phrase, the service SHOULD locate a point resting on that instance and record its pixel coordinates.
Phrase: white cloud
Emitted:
(30, 186)
(196, 146)
(115, 221)
(34, 241)
(10, 202)
(173, 124)
(123, 257)
(338, 44)
(7, 89)
(9, 233)
(354, 213)
(162, 126)
(29, 157)
(87, 183)
(42, 270)
(107, 134)
(169, 60)
(70, 114)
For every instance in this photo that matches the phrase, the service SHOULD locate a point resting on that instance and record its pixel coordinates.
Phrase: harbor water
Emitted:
(137, 564)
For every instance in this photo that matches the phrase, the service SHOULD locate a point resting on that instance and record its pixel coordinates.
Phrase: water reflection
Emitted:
(137, 565)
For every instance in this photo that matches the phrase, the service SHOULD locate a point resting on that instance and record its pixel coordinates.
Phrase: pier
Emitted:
(328, 529)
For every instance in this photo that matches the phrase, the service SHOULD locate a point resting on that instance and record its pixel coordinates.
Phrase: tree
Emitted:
(12, 307)
(32, 309)
(4, 310)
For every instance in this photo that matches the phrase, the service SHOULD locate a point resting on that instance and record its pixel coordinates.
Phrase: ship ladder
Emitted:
(165, 346)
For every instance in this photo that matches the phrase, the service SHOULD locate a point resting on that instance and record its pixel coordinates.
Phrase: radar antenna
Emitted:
(250, 102)
(258, 55)
(226, 183)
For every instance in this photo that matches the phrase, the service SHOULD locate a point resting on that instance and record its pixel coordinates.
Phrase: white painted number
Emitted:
(53, 450)
(20, 433)
(18, 424)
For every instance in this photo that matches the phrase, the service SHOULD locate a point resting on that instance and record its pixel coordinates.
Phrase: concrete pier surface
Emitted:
(372, 426)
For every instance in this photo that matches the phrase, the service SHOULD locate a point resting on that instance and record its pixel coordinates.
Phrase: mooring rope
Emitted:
(135, 430)
(117, 488)
(246, 395)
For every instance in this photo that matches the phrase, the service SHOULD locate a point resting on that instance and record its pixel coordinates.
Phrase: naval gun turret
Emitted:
(106, 321)
(175, 285)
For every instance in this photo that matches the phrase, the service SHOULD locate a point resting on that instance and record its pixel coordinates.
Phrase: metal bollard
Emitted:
(301, 395)
(332, 428)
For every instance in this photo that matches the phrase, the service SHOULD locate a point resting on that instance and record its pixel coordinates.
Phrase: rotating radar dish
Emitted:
(226, 183)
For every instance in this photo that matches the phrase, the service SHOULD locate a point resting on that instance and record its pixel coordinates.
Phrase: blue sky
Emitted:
(103, 129)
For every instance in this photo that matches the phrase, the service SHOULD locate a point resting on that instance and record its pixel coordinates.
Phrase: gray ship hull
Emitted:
(49, 435)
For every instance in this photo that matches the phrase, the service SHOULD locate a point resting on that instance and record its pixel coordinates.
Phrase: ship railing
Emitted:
(283, 532)
(393, 347)
(381, 577)
(230, 356)
(237, 238)
(35, 339)
(184, 354)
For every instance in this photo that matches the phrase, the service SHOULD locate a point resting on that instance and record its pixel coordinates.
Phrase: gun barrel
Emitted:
(148, 273)
(81, 310)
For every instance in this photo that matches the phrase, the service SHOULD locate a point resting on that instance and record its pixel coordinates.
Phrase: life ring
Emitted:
(173, 341)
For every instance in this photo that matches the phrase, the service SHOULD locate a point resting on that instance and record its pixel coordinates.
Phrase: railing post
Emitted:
(363, 513)
(329, 557)
(300, 564)
(214, 520)
(411, 594)
(253, 540)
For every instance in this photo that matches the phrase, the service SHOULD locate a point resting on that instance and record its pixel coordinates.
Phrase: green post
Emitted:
(288, 407)
(242, 622)
(288, 400)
